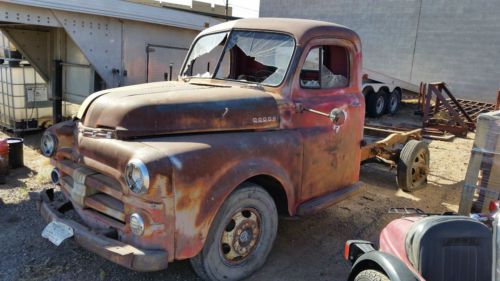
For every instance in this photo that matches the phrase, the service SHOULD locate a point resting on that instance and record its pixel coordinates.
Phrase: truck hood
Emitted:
(178, 107)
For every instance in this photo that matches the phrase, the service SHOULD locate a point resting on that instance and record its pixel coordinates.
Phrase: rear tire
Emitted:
(240, 237)
(371, 275)
(413, 166)
(393, 102)
(376, 104)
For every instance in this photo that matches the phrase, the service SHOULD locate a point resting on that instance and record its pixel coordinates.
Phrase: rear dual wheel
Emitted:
(376, 104)
(393, 102)
(380, 102)
(241, 236)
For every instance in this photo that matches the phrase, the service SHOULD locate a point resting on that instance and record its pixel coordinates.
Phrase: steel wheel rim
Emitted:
(419, 169)
(380, 104)
(240, 236)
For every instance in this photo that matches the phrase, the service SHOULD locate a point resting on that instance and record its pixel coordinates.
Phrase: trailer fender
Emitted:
(388, 264)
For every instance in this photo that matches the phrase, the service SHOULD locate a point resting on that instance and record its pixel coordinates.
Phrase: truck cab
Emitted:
(266, 118)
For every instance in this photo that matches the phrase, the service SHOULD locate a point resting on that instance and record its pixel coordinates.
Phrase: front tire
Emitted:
(240, 237)
(371, 275)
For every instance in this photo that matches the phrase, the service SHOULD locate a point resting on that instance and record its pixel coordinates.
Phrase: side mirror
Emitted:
(337, 116)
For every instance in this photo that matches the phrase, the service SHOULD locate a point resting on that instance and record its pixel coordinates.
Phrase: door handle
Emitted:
(337, 115)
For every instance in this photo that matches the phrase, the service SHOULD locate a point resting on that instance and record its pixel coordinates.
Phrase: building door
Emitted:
(164, 62)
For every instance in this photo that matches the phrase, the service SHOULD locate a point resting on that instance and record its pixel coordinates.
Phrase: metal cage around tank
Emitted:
(24, 101)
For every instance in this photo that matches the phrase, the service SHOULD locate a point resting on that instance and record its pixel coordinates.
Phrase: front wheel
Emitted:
(371, 275)
(240, 237)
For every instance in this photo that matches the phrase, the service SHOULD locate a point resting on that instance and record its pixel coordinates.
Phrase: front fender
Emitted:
(243, 171)
(208, 167)
(393, 267)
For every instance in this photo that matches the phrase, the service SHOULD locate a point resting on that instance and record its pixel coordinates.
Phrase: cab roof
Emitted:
(301, 29)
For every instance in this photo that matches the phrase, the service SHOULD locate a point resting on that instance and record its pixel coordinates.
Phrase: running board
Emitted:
(329, 199)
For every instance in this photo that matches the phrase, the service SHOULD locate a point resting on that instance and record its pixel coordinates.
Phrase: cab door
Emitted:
(328, 78)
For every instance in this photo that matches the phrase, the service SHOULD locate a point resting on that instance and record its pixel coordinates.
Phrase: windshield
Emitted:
(256, 57)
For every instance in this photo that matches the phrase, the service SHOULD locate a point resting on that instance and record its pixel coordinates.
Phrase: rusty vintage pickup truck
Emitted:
(266, 118)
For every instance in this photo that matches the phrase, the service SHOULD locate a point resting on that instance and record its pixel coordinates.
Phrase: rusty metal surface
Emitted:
(202, 186)
(111, 249)
(303, 30)
(385, 148)
(472, 108)
(178, 107)
(320, 203)
(447, 113)
(299, 157)
(428, 133)
(331, 152)
(443, 113)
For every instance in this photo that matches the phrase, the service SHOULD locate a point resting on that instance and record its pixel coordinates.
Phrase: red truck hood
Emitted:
(177, 107)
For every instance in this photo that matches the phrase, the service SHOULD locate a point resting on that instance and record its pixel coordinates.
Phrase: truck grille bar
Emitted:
(96, 192)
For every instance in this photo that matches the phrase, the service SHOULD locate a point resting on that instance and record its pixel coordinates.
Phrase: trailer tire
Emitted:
(376, 104)
(393, 102)
(240, 237)
(371, 275)
(413, 166)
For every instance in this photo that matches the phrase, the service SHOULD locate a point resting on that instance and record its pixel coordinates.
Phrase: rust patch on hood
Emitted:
(177, 107)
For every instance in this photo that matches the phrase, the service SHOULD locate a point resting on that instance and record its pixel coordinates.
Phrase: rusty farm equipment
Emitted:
(442, 111)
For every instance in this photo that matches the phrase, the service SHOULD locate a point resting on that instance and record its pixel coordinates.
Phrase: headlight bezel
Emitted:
(137, 220)
(131, 183)
(43, 144)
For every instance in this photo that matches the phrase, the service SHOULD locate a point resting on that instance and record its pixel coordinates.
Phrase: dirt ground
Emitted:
(309, 248)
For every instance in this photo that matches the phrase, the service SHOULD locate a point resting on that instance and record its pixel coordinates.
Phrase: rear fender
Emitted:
(391, 266)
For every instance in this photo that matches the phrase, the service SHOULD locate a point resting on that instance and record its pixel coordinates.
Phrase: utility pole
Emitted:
(227, 10)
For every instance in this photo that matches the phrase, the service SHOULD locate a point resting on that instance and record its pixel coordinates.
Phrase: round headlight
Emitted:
(48, 144)
(137, 176)
(136, 224)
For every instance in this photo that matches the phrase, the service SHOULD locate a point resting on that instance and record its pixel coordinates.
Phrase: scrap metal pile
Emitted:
(442, 113)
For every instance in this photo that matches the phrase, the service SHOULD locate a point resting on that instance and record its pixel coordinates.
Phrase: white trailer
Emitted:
(383, 93)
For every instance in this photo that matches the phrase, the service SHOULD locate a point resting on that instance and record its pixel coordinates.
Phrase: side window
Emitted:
(309, 74)
(325, 67)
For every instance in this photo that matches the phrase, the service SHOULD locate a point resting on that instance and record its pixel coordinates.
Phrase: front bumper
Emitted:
(118, 252)
(356, 248)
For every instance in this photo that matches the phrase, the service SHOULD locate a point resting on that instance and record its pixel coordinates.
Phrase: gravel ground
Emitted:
(307, 248)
